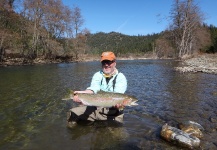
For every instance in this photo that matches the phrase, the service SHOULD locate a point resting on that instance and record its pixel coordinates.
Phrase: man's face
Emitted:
(108, 66)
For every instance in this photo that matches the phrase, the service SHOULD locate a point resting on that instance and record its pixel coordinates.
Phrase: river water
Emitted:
(33, 116)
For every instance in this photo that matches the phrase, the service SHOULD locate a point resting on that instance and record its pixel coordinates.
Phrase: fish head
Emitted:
(130, 101)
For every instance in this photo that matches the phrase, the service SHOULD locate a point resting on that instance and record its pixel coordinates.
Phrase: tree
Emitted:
(9, 24)
(6, 5)
(57, 22)
(57, 18)
(50, 20)
(34, 11)
(79, 37)
(163, 46)
(2, 48)
(77, 20)
(186, 19)
(213, 32)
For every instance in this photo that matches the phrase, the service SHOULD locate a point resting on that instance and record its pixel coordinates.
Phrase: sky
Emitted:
(133, 17)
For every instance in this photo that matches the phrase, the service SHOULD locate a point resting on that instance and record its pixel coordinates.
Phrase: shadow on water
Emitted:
(32, 115)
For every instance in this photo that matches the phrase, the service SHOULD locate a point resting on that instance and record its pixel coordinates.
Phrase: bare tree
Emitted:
(163, 47)
(57, 21)
(2, 49)
(51, 20)
(79, 37)
(186, 19)
(57, 18)
(34, 11)
(77, 19)
(7, 4)
(80, 43)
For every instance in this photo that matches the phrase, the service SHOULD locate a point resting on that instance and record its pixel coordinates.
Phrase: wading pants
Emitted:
(91, 113)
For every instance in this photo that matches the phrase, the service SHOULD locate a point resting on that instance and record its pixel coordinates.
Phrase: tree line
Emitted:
(41, 28)
(187, 34)
(122, 45)
(48, 29)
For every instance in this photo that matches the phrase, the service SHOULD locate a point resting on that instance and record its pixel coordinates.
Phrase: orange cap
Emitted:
(108, 56)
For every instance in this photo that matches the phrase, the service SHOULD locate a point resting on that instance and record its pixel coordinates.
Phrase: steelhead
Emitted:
(105, 99)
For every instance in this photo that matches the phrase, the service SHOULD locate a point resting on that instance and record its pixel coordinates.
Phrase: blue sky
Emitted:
(133, 17)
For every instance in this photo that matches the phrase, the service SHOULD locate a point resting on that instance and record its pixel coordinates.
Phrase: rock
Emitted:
(192, 128)
(213, 120)
(177, 136)
(205, 63)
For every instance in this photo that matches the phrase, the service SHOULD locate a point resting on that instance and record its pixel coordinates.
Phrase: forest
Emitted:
(49, 31)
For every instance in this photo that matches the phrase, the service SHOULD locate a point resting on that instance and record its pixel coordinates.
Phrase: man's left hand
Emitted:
(119, 106)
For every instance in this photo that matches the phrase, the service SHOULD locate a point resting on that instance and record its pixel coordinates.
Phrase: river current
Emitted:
(33, 116)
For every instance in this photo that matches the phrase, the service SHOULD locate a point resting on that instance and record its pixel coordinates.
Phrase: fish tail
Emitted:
(66, 99)
(69, 95)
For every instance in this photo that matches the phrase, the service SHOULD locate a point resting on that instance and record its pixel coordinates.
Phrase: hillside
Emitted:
(121, 44)
(23, 41)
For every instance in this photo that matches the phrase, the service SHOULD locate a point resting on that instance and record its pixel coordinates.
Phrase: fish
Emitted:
(105, 99)
(177, 136)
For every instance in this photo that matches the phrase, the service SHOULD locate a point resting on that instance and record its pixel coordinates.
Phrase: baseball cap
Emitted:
(108, 56)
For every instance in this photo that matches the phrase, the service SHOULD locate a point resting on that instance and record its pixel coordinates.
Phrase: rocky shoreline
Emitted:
(206, 63)
(23, 61)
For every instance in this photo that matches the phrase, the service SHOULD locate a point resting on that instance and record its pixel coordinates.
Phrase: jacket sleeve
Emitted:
(95, 82)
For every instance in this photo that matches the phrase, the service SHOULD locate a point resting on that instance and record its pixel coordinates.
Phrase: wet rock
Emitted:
(214, 93)
(214, 129)
(213, 119)
(192, 128)
(179, 137)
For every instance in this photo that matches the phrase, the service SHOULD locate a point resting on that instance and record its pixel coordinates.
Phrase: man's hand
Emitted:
(75, 95)
(119, 106)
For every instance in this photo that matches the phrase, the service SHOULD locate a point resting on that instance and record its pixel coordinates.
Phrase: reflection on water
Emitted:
(32, 115)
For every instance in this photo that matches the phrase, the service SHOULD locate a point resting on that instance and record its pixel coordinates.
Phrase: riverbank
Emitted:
(206, 63)
(84, 58)
(23, 61)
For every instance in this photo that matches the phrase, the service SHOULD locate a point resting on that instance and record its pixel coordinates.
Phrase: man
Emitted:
(109, 79)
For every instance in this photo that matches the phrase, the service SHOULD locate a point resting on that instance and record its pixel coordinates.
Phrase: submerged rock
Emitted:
(213, 119)
(177, 136)
(192, 128)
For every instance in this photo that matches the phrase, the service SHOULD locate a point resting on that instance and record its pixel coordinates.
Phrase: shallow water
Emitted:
(33, 116)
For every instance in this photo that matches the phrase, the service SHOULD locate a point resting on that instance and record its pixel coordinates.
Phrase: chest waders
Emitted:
(114, 81)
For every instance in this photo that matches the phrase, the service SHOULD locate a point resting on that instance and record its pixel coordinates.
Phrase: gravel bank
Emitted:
(203, 63)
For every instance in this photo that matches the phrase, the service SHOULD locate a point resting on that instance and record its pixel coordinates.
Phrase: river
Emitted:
(33, 116)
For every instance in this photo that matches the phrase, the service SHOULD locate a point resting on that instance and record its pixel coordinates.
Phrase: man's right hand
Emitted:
(75, 95)
(75, 98)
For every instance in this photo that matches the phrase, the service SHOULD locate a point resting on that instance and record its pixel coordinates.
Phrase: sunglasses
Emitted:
(108, 62)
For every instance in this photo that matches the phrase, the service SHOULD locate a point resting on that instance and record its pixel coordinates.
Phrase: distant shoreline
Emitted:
(206, 63)
(85, 58)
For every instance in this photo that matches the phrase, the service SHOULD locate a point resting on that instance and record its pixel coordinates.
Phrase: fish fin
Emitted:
(101, 92)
